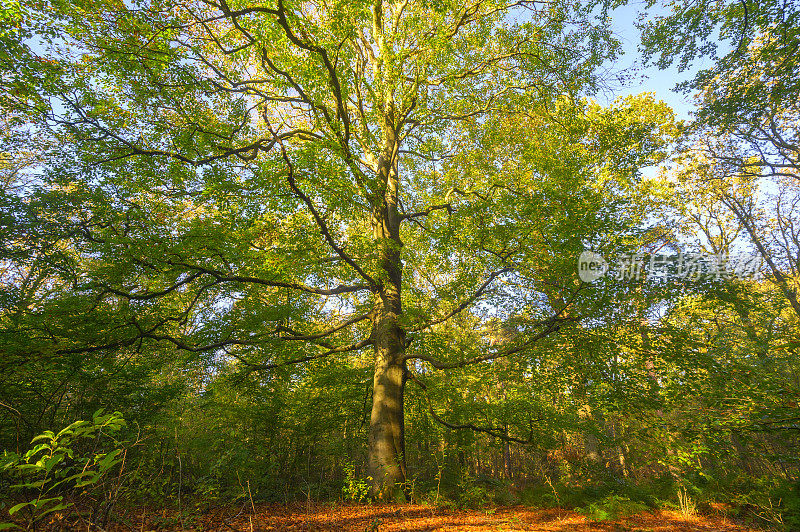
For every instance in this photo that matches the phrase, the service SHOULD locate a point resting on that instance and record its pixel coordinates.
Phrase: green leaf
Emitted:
(93, 477)
(18, 507)
(33, 485)
(41, 503)
(46, 435)
(70, 429)
(108, 460)
(36, 449)
(52, 461)
(27, 467)
(59, 506)
(8, 460)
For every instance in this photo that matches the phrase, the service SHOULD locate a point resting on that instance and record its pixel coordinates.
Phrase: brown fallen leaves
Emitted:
(418, 518)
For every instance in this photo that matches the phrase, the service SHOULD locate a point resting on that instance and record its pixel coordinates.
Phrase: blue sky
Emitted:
(652, 79)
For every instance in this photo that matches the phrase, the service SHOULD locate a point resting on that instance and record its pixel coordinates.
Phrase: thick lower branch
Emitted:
(340, 349)
(308, 337)
(223, 277)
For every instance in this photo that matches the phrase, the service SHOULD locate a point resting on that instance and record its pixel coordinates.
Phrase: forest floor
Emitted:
(419, 518)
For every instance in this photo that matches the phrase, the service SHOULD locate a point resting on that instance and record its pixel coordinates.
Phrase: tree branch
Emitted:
(553, 324)
(427, 211)
(326, 234)
(341, 349)
(223, 277)
(309, 337)
(464, 304)
(500, 433)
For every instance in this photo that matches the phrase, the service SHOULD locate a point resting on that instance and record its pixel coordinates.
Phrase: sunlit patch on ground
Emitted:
(418, 518)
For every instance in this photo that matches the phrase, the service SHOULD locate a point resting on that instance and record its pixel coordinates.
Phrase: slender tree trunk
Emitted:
(507, 457)
(782, 280)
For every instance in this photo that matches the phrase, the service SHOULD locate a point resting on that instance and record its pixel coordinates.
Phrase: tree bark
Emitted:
(386, 461)
(386, 431)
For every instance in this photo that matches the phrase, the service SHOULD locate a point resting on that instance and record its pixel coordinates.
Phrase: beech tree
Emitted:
(277, 183)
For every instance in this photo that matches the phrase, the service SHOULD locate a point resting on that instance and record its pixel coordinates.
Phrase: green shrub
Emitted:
(612, 507)
(471, 494)
(540, 496)
(52, 468)
(772, 501)
(482, 492)
(504, 496)
(355, 488)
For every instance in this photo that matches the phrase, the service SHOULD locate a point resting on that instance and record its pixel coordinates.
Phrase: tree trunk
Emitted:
(507, 458)
(387, 426)
(386, 432)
